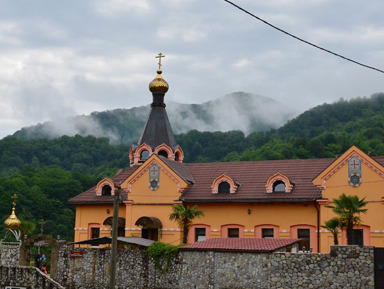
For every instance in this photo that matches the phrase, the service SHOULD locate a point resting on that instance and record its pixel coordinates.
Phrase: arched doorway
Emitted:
(150, 227)
(120, 225)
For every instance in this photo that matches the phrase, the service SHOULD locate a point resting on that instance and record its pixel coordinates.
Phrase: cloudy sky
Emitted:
(64, 58)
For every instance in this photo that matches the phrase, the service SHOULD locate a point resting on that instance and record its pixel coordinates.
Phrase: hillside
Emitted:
(324, 131)
(237, 111)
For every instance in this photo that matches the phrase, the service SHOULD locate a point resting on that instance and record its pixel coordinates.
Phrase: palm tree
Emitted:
(184, 216)
(333, 226)
(26, 228)
(348, 208)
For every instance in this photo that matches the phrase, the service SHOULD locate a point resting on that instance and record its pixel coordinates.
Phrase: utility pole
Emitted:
(114, 238)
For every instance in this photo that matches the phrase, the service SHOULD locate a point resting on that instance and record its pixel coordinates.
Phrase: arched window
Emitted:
(307, 234)
(232, 231)
(361, 236)
(279, 183)
(267, 231)
(93, 231)
(144, 155)
(279, 187)
(199, 232)
(163, 153)
(179, 155)
(106, 190)
(224, 187)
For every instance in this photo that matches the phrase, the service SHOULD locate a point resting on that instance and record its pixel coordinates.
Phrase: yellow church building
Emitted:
(253, 199)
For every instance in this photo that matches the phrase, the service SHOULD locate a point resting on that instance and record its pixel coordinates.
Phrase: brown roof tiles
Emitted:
(90, 197)
(251, 175)
(240, 245)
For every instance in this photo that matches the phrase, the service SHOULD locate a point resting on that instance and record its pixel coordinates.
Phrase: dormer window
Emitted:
(224, 188)
(179, 155)
(224, 185)
(105, 187)
(163, 153)
(106, 190)
(140, 154)
(144, 155)
(279, 187)
(278, 183)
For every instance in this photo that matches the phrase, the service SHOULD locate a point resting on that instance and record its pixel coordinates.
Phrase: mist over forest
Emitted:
(237, 111)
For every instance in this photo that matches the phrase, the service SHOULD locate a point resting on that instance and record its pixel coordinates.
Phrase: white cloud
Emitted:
(95, 55)
(113, 8)
(9, 30)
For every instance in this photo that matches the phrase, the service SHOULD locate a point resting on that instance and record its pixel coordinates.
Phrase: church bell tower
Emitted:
(157, 136)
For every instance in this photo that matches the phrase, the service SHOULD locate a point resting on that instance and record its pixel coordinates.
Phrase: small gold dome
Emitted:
(12, 222)
(158, 85)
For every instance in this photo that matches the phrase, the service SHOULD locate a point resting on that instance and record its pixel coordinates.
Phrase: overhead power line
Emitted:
(302, 40)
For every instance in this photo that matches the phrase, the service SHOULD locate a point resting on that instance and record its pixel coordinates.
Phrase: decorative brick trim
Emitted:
(278, 177)
(221, 179)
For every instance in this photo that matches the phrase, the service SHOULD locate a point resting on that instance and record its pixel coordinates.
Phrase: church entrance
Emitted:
(120, 225)
(151, 234)
(150, 227)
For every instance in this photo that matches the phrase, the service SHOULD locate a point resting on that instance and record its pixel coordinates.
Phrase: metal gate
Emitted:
(379, 268)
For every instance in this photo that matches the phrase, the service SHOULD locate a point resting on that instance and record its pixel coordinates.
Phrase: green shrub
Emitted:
(158, 250)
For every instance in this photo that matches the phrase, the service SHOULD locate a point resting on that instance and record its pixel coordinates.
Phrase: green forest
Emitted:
(45, 173)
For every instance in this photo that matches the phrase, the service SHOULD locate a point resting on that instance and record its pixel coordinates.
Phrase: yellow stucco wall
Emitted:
(142, 201)
(86, 215)
(140, 192)
(282, 215)
(371, 188)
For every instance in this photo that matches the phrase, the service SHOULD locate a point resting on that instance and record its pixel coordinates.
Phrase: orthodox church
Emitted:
(253, 199)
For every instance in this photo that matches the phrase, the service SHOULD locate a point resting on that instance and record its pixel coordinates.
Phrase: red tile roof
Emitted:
(252, 177)
(90, 197)
(240, 245)
(179, 168)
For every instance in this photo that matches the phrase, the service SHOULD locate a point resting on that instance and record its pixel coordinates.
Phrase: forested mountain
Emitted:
(46, 173)
(248, 112)
(324, 131)
(43, 194)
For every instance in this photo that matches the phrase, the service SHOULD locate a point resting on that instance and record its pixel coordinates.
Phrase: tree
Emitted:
(27, 228)
(348, 208)
(184, 216)
(333, 226)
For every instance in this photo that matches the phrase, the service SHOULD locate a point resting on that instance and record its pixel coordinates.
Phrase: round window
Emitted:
(154, 184)
(355, 180)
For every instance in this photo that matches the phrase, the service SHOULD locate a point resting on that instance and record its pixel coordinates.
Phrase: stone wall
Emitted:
(93, 268)
(25, 276)
(345, 267)
(9, 254)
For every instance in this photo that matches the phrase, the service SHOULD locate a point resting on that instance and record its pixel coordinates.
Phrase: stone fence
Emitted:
(345, 267)
(11, 274)
(9, 254)
(25, 276)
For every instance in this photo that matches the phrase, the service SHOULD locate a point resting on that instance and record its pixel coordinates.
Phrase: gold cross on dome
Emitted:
(14, 197)
(159, 57)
